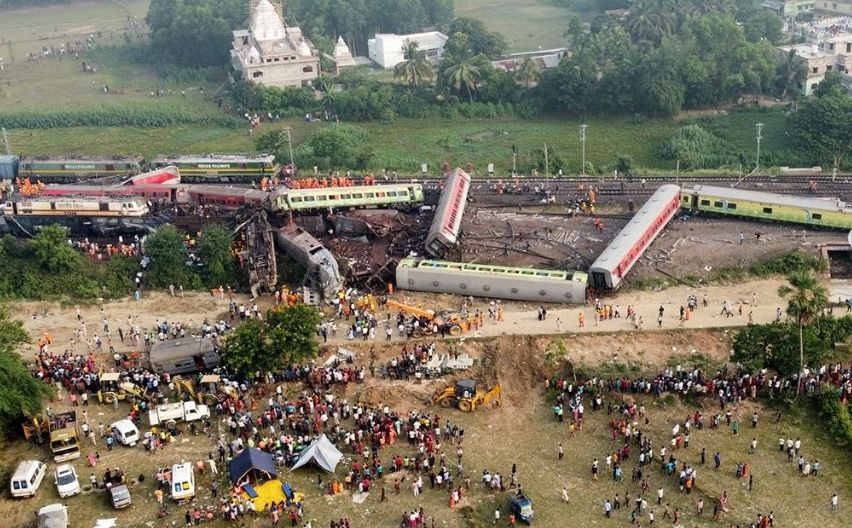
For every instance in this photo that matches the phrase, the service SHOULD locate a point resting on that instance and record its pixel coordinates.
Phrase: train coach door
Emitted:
(599, 280)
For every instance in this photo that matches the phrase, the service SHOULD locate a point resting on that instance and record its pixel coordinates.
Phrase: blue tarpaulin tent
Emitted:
(254, 463)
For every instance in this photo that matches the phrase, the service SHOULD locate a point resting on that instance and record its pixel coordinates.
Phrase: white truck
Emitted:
(187, 411)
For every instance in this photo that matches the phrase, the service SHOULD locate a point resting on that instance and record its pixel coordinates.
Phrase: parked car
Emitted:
(67, 484)
(27, 478)
(119, 496)
(125, 433)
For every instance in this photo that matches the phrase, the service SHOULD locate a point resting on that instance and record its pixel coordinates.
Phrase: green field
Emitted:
(404, 144)
(527, 25)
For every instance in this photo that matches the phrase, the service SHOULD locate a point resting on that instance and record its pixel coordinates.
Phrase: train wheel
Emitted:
(455, 330)
(465, 405)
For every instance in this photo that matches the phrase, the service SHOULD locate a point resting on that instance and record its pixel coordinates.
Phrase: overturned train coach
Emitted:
(323, 273)
(497, 282)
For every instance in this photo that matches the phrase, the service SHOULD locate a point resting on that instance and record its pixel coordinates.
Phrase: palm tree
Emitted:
(463, 73)
(528, 72)
(790, 70)
(650, 20)
(806, 298)
(416, 67)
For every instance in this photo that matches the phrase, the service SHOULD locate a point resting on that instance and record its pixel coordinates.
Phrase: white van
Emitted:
(125, 432)
(183, 482)
(27, 478)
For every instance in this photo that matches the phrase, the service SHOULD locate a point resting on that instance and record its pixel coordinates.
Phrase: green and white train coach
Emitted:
(496, 282)
(360, 196)
(831, 213)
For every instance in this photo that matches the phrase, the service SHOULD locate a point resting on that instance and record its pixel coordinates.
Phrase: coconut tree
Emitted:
(416, 68)
(528, 72)
(463, 74)
(790, 69)
(806, 298)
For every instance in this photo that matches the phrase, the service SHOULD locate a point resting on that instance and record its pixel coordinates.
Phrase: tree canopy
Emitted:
(286, 337)
(218, 266)
(822, 125)
(20, 392)
(168, 256)
(194, 33)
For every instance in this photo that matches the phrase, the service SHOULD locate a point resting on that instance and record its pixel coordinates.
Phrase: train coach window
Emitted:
(345, 196)
(333, 197)
(357, 196)
(732, 206)
(309, 198)
(816, 216)
(296, 199)
(767, 210)
(391, 193)
(369, 195)
(718, 204)
(705, 202)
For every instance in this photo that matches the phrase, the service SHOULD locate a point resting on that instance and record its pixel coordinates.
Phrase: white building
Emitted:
(831, 53)
(272, 54)
(386, 49)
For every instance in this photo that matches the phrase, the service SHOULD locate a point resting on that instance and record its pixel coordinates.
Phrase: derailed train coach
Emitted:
(322, 269)
(498, 282)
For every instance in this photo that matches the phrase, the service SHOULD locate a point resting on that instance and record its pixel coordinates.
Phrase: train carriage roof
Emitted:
(215, 158)
(105, 161)
(636, 227)
(519, 273)
(736, 195)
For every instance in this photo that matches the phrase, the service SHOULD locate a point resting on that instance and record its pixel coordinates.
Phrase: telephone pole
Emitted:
(6, 141)
(583, 128)
(759, 127)
(289, 144)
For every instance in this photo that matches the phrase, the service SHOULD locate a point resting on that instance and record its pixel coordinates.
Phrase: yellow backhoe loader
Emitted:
(452, 323)
(466, 396)
(112, 390)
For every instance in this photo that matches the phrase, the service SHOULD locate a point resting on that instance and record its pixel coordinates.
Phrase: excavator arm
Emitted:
(412, 310)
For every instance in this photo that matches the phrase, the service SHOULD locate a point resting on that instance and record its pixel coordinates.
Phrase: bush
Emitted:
(784, 265)
(696, 148)
(835, 413)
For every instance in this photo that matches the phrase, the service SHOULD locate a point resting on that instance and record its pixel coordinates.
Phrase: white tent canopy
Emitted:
(322, 452)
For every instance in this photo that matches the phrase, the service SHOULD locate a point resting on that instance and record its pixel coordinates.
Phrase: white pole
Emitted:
(583, 128)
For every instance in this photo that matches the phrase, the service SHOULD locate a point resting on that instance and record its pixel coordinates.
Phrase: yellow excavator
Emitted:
(452, 323)
(466, 396)
(112, 390)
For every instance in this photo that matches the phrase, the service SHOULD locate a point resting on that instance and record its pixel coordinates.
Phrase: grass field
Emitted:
(527, 25)
(404, 144)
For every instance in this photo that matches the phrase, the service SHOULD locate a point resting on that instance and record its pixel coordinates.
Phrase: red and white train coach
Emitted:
(630, 243)
(444, 232)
